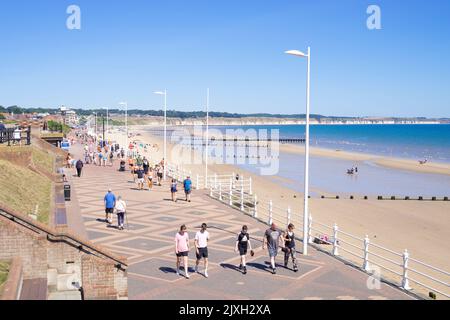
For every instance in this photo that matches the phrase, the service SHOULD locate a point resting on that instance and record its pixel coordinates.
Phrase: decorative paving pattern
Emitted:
(148, 243)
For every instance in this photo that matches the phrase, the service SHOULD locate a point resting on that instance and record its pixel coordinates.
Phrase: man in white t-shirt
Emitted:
(201, 246)
(121, 209)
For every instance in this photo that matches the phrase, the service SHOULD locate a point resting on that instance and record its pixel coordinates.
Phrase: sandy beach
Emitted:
(419, 226)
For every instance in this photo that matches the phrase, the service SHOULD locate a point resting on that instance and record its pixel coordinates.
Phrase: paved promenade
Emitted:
(148, 243)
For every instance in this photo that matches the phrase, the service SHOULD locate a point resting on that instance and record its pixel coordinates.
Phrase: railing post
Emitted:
(366, 265)
(270, 212)
(231, 192)
(288, 216)
(232, 178)
(215, 180)
(405, 280)
(255, 206)
(210, 191)
(197, 182)
(220, 191)
(250, 186)
(242, 199)
(335, 240)
(310, 237)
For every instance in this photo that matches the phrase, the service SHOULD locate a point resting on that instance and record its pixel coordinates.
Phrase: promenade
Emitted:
(148, 243)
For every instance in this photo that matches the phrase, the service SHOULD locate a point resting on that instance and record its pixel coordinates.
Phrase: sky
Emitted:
(126, 50)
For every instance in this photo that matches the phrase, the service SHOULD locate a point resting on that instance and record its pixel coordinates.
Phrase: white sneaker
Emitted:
(206, 274)
(187, 276)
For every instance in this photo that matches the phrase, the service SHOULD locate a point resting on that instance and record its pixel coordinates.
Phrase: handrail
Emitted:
(431, 267)
(273, 212)
(38, 227)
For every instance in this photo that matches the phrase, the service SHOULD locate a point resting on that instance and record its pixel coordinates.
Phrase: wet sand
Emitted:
(393, 163)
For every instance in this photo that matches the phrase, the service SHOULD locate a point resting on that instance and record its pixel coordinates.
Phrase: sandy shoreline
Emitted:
(419, 226)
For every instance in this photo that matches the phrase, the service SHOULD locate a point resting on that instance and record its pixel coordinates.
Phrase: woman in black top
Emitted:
(242, 245)
(289, 247)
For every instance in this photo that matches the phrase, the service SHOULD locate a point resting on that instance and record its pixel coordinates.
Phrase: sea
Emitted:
(329, 176)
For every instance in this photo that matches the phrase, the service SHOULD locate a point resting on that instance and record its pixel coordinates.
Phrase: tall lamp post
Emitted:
(306, 210)
(164, 93)
(207, 138)
(95, 127)
(125, 104)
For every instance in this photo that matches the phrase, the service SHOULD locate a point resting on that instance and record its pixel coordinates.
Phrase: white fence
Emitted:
(214, 180)
(395, 267)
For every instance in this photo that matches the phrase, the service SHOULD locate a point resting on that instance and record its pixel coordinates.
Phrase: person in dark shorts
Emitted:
(110, 203)
(242, 245)
(272, 238)
(289, 247)
(201, 246)
(182, 249)
(173, 190)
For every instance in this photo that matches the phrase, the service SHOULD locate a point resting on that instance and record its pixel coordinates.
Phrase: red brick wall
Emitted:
(100, 278)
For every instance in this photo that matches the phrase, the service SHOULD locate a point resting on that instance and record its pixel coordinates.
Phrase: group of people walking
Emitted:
(273, 239)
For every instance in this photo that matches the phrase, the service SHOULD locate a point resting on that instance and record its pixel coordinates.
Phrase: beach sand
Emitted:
(422, 227)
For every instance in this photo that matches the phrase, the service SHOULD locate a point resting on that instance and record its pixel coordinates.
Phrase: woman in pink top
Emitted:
(182, 249)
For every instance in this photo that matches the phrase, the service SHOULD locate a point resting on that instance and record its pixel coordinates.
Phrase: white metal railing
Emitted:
(400, 268)
(214, 180)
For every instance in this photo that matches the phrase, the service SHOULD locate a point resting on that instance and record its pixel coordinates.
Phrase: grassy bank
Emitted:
(4, 270)
(22, 188)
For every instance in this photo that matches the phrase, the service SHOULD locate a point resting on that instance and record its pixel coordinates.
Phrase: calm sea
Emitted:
(405, 141)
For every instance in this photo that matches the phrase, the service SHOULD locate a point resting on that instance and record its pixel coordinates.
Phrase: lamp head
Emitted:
(296, 53)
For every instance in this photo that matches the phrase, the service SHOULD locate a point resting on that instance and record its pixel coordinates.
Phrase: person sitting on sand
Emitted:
(423, 161)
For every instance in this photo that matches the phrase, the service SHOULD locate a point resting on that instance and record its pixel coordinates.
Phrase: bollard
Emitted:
(288, 216)
(270, 212)
(366, 266)
(220, 191)
(310, 237)
(405, 280)
(335, 244)
(255, 206)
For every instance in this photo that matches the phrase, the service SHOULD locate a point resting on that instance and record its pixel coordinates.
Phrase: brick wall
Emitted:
(100, 278)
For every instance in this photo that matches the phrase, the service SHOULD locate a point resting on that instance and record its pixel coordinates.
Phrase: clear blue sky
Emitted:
(128, 49)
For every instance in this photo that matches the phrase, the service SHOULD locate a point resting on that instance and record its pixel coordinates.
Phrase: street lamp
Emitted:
(95, 127)
(207, 138)
(165, 129)
(126, 125)
(306, 213)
